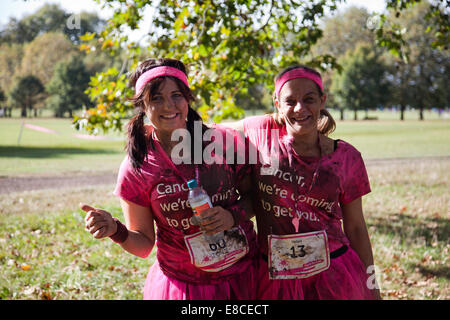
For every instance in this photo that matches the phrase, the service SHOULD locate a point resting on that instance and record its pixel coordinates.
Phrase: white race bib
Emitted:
(297, 256)
(213, 257)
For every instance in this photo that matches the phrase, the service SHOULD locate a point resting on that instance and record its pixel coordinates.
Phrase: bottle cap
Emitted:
(192, 184)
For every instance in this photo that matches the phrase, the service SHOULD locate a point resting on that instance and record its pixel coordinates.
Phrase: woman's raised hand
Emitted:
(98, 222)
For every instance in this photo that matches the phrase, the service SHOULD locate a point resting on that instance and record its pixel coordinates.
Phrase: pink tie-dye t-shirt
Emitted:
(162, 186)
(283, 203)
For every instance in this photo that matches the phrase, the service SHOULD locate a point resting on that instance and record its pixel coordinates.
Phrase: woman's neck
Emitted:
(307, 144)
(165, 139)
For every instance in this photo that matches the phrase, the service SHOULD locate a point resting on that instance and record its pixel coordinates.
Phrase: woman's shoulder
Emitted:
(247, 124)
(145, 174)
(347, 152)
(344, 145)
(259, 122)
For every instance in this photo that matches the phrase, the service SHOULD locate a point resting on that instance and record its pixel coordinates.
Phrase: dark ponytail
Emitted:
(192, 117)
(137, 147)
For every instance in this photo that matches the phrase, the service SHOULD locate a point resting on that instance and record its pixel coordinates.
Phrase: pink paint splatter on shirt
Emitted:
(162, 186)
(283, 204)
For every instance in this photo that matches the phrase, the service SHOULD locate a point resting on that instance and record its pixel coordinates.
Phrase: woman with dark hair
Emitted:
(153, 190)
(311, 228)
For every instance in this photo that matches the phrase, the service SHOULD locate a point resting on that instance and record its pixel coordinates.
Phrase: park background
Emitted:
(63, 107)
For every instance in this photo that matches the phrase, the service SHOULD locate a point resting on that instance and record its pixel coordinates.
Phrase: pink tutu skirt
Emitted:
(346, 279)
(159, 286)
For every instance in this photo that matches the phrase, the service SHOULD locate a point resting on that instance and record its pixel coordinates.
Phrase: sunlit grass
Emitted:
(46, 253)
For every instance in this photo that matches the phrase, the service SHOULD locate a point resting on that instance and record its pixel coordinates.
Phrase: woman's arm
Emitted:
(139, 222)
(356, 231)
(236, 125)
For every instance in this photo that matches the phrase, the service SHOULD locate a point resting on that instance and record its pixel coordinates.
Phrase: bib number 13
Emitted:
(297, 256)
(298, 251)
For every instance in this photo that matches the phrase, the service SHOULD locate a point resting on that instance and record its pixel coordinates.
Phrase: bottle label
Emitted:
(199, 209)
(214, 257)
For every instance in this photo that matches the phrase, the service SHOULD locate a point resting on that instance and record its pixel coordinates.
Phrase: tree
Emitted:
(26, 92)
(67, 87)
(10, 60)
(390, 34)
(43, 53)
(228, 45)
(3, 109)
(344, 31)
(362, 84)
(418, 82)
(50, 18)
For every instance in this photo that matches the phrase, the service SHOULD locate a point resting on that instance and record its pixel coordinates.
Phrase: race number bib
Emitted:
(298, 256)
(213, 257)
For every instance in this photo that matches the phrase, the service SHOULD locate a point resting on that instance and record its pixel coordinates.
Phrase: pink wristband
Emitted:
(121, 234)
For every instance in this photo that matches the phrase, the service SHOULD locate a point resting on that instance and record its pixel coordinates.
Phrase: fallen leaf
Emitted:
(25, 267)
(45, 295)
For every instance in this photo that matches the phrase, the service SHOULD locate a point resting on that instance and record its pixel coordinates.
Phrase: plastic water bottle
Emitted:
(199, 200)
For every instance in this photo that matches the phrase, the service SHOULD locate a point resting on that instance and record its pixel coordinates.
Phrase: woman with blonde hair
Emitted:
(307, 187)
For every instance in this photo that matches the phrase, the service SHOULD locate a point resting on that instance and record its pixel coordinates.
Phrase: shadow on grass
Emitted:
(46, 152)
(440, 272)
(409, 228)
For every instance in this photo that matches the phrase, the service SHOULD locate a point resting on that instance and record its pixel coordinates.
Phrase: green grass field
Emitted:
(66, 152)
(374, 139)
(45, 253)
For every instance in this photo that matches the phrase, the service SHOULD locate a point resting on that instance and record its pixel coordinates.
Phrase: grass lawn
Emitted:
(396, 139)
(45, 253)
(374, 139)
(40, 152)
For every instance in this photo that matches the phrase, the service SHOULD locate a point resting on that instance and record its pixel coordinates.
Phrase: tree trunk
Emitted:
(342, 113)
(23, 114)
(421, 113)
(402, 112)
(356, 115)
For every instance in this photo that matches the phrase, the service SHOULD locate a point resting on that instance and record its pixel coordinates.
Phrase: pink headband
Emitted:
(161, 71)
(294, 74)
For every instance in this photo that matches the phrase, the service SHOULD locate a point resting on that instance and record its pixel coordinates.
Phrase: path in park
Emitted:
(79, 180)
